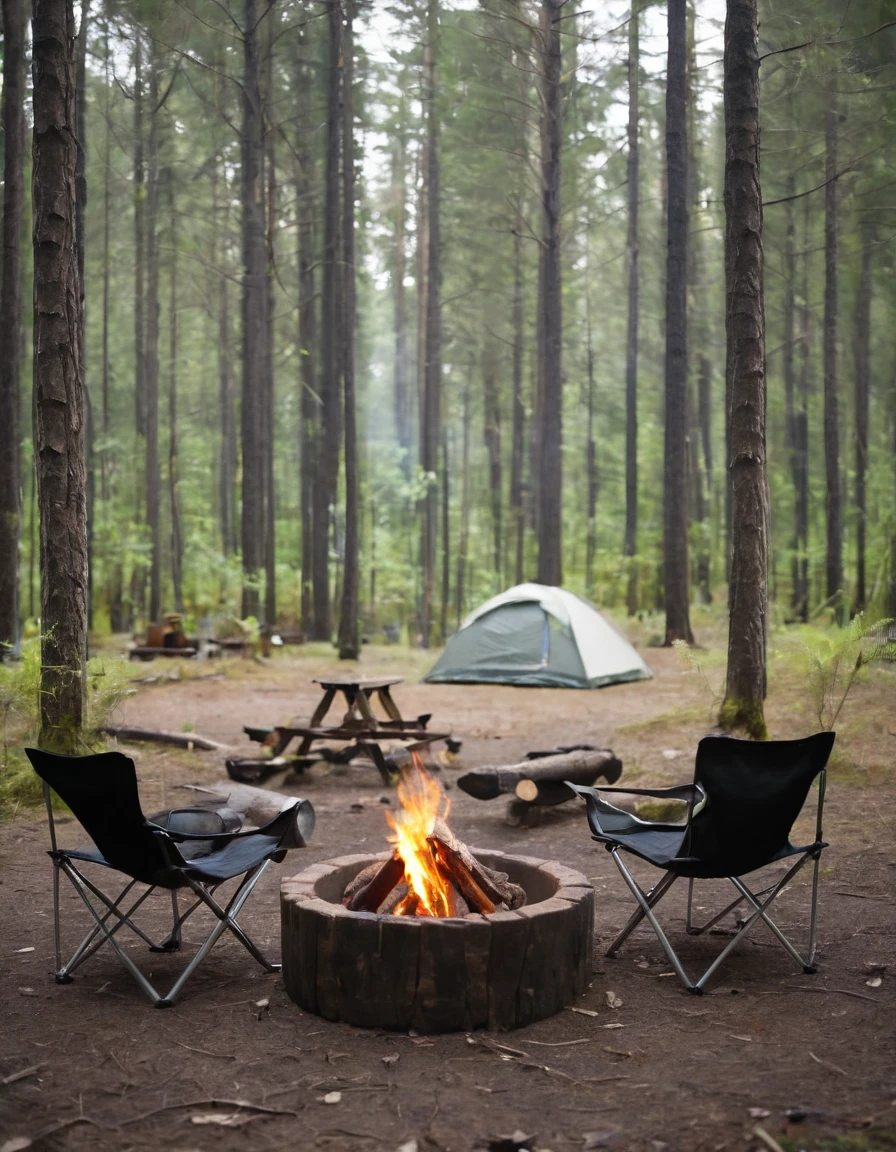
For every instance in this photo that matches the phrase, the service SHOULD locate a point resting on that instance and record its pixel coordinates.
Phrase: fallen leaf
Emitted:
(17, 951)
(262, 1003)
(759, 1113)
(410, 1146)
(605, 1139)
(670, 753)
(612, 1025)
(16, 1144)
(613, 1001)
(583, 1011)
(27, 992)
(874, 982)
(332, 1098)
(392, 1059)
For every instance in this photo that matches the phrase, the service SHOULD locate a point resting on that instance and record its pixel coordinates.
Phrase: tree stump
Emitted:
(500, 971)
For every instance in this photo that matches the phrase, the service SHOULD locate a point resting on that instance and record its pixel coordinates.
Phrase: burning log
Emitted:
(542, 778)
(371, 895)
(496, 886)
(462, 878)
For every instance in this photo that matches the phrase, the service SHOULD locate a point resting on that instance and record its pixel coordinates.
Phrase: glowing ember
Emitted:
(422, 802)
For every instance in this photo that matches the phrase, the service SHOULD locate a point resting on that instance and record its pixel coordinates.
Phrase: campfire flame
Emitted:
(422, 803)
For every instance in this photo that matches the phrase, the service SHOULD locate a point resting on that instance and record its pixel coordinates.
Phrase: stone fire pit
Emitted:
(499, 971)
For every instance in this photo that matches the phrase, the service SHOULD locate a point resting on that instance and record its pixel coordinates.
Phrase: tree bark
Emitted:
(254, 310)
(11, 310)
(139, 236)
(517, 512)
(630, 545)
(745, 369)
(59, 393)
(550, 385)
(173, 497)
(330, 437)
(491, 410)
(432, 372)
(349, 637)
(463, 541)
(675, 517)
(801, 436)
(151, 367)
(227, 458)
(834, 504)
(862, 351)
(399, 298)
(307, 334)
(267, 439)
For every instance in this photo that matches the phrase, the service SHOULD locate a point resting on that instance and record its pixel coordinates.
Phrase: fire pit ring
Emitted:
(500, 971)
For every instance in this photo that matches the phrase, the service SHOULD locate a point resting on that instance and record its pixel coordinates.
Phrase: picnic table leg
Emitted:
(363, 705)
(376, 755)
(389, 704)
(281, 742)
(323, 708)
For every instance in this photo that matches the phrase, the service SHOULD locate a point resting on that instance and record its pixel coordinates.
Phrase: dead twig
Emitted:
(211, 1103)
(11, 1079)
(841, 991)
(769, 1141)
(825, 1064)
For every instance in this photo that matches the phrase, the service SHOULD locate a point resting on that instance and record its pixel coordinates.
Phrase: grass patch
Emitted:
(107, 686)
(875, 1140)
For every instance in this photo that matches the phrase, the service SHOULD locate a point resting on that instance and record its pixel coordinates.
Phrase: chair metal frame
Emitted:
(618, 821)
(104, 908)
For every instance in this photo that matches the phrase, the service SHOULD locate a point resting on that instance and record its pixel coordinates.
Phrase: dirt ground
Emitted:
(769, 1059)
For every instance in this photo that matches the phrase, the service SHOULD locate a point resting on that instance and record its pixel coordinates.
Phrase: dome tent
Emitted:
(541, 637)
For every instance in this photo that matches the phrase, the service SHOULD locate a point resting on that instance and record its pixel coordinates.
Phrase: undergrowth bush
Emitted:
(108, 683)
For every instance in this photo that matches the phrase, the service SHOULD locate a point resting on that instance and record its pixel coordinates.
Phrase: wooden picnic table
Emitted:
(358, 726)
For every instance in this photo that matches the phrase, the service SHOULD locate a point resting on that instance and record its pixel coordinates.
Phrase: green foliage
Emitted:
(832, 662)
(108, 683)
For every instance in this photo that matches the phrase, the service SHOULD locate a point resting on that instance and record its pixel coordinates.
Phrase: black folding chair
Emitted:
(101, 791)
(741, 807)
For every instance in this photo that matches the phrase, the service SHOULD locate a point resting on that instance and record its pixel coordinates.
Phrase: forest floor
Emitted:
(769, 1059)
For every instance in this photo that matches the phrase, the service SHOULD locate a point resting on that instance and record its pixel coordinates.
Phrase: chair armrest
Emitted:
(605, 818)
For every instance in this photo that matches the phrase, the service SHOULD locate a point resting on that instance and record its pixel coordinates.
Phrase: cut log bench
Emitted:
(498, 971)
(360, 730)
(538, 781)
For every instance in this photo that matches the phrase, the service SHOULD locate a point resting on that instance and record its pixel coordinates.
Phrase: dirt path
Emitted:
(663, 1071)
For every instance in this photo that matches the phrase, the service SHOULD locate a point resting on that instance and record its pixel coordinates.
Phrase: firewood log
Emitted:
(360, 881)
(581, 767)
(496, 885)
(372, 895)
(462, 878)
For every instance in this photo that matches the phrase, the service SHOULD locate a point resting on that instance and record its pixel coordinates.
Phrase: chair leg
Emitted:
(62, 976)
(226, 919)
(652, 898)
(99, 933)
(646, 908)
(810, 967)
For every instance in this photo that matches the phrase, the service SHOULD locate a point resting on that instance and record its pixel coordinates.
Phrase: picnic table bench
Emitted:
(359, 728)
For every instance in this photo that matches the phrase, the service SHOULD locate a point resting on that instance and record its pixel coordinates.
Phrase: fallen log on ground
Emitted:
(254, 806)
(540, 781)
(188, 740)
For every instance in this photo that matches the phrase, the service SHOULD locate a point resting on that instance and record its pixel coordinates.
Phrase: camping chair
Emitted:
(744, 800)
(101, 791)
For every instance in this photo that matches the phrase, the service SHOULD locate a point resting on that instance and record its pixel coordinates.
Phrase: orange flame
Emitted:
(422, 802)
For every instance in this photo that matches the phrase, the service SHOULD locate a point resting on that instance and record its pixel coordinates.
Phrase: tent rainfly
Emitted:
(539, 637)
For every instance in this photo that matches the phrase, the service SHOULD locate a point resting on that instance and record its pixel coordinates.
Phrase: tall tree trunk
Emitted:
(801, 434)
(445, 493)
(517, 512)
(80, 212)
(220, 289)
(550, 384)
(463, 541)
(491, 411)
(268, 441)
(862, 393)
(330, 438)
(675, 517)
(107, 270)
(630, 545)
(432, 387)
(139, 236)
(151, 378)
(834, 541)
(58, 384)
(745, 368)
(399, 298)
(591, 474)
(174, 502)
(11, 310)
(788, 371)
(254, 309)
(349, 638)
(308, 407)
